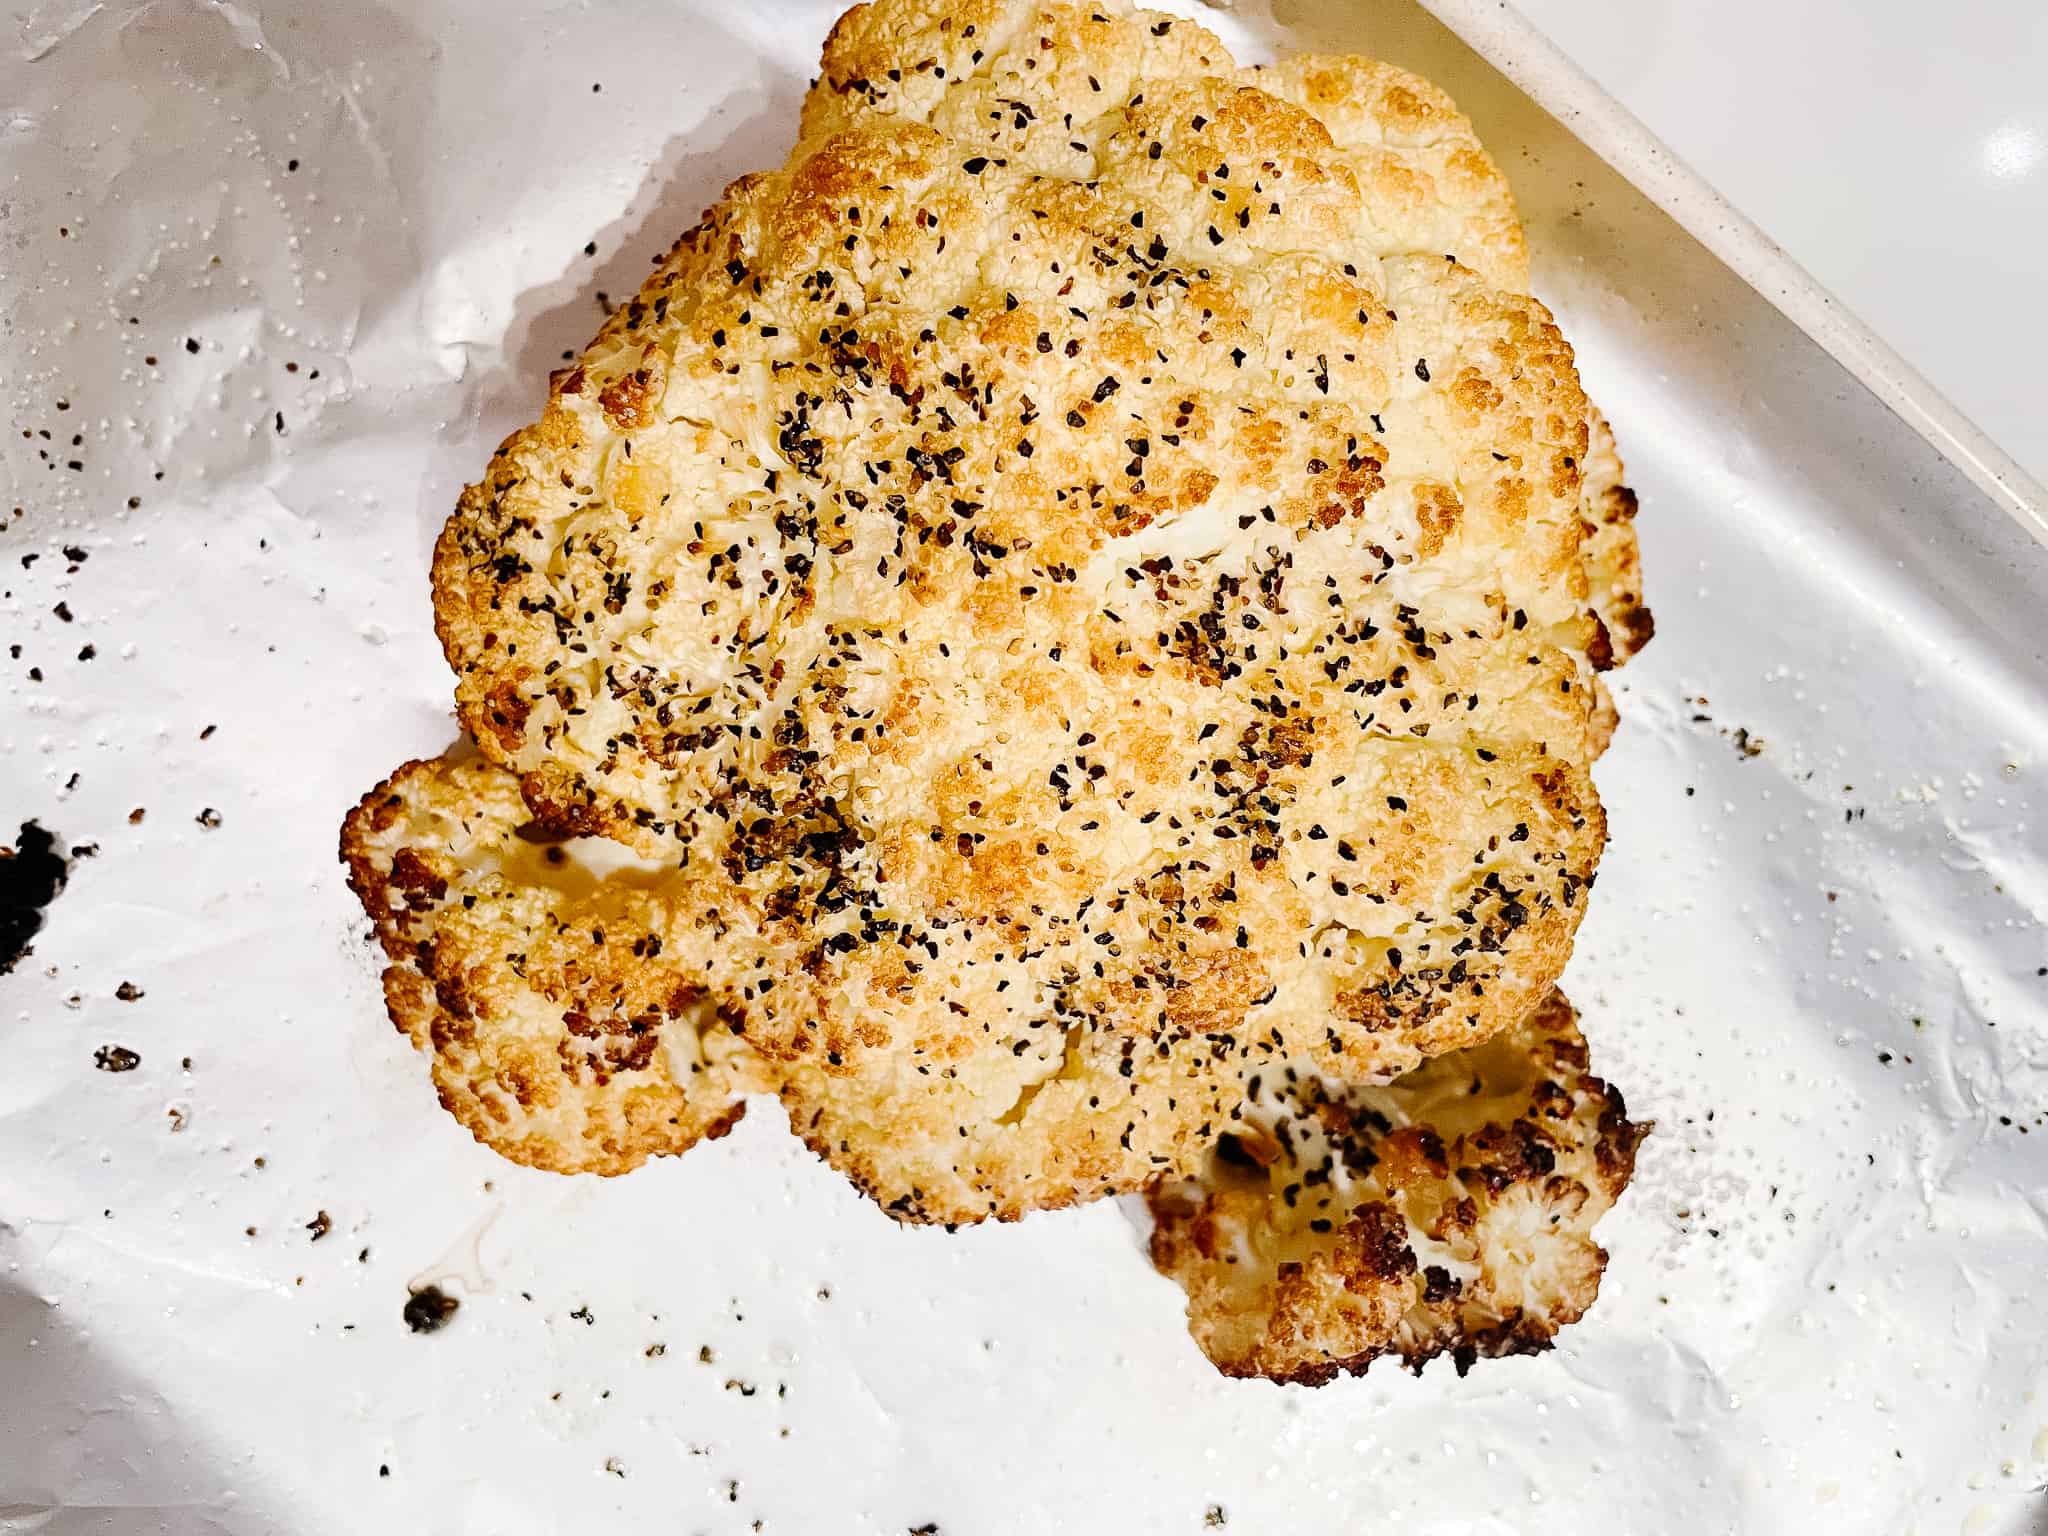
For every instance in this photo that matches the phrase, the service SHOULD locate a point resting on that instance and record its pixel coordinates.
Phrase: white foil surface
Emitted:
(273, 281)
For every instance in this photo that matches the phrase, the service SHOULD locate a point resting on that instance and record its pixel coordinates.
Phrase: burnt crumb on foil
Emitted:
(32, 872)
(428, 1309)
(1746, 745)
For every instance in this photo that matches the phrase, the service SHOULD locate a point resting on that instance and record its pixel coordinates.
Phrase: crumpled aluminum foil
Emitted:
(275, 278)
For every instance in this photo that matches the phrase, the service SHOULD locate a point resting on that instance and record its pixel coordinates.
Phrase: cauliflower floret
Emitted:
(1449, 1211)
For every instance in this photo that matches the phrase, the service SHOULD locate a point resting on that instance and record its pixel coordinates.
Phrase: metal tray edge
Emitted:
(1512, 44)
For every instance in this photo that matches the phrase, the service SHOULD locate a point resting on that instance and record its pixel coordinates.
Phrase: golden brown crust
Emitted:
(1428, 184)
(563, 1032)
(1614, 566)
(1029, 82)
(1036, 84)
(1448, 1212)
(1081, 609)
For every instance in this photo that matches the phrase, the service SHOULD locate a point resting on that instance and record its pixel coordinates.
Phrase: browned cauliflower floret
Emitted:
(564, 1021)
(1015, 80)
(1449, 1211)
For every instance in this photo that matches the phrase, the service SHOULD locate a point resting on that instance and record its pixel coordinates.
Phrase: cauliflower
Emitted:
(1080, 592)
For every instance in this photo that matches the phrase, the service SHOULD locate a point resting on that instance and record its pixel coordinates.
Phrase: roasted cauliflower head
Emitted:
(1075, 599)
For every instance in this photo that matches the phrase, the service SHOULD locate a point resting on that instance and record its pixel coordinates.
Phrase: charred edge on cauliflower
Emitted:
(1450, 1211)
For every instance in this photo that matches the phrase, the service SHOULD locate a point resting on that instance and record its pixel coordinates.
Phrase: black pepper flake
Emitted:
(208, 818)
(320, 1225)
(128, 992)
(975, 166)
(1422, 370)
(428, 1309)
(116, 1058)
(191, 345)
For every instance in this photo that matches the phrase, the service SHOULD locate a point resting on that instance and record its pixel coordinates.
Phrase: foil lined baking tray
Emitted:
(277, 278)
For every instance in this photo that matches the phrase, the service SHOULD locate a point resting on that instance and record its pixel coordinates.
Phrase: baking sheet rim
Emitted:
(1513, 45)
